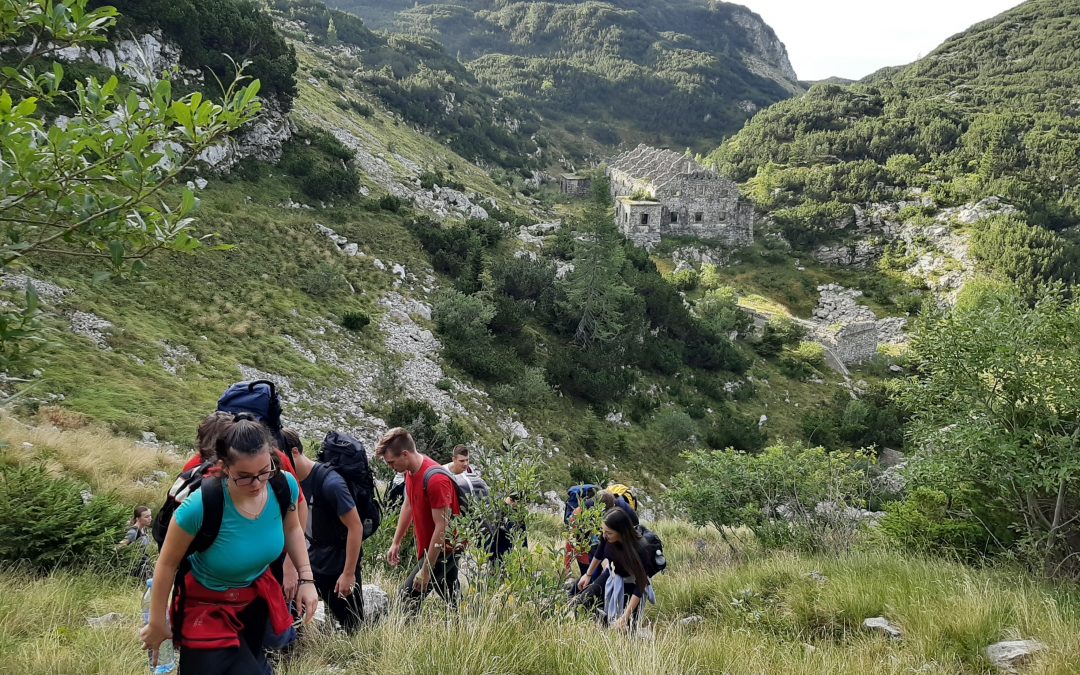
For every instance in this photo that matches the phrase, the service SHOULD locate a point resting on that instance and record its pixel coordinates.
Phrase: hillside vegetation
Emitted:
(684, 73)
(991, 112)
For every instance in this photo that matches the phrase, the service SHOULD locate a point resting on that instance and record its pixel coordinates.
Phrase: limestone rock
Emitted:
(93, 327)
(881, 625)
(691, 620)
(376, 603)
(1007, 655)
(107, 620)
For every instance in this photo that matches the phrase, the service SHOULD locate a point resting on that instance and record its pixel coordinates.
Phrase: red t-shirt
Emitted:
(286, 464)
(440, 494)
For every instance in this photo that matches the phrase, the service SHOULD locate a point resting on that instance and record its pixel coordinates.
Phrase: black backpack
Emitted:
(345, 455)
(652, 552)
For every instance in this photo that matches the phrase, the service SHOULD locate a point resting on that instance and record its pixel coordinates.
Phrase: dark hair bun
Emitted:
(244, 417)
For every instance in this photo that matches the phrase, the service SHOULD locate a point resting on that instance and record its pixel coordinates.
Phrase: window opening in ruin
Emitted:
(674, 217)
(644, 219)
(698, 216)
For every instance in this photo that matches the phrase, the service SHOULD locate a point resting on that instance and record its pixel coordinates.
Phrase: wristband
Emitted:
(301, 582)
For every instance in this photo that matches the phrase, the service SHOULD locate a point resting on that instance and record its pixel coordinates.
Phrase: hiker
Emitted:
(431, 499)
(336, 535)
(588, 563)
(511, 527)
(459, 462)
(206, 442)
(624, 585)
(611, 501)
(217, 552)
(138, 534)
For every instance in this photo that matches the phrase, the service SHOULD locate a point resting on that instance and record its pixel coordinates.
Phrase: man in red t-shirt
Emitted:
(428, 511)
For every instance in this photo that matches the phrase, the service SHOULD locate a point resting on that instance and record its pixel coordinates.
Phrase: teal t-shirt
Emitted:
(244, 547)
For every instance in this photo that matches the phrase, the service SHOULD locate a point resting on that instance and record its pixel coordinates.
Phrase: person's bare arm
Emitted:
(177, 541)
(347, 581)
(393, 554)
(296, 547)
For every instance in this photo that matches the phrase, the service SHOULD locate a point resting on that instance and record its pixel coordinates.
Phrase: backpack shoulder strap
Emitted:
(213, 499)
(280, 485)
(435, 471)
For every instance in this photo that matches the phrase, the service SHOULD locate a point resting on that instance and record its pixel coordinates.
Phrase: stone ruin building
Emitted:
(852, 332)
(573, 184)
(661, 193)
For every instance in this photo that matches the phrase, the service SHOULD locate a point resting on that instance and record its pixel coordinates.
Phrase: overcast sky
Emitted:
(853, 38)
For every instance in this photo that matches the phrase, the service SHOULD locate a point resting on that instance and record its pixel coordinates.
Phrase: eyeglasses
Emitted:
(263, 477)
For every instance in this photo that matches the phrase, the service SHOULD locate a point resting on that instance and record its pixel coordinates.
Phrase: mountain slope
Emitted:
(686, 73)
(992, 112)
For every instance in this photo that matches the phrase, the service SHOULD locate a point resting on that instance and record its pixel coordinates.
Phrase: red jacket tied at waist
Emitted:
(211, 618)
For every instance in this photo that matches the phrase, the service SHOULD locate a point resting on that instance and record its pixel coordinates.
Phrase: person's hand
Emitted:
(308, 600)
(421, 580)
(621, 623)
(288, 581)
(393, 555)
(345, 584)
(152, 635)
(583, 582)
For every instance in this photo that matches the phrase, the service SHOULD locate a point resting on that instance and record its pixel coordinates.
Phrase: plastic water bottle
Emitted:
(166, 662)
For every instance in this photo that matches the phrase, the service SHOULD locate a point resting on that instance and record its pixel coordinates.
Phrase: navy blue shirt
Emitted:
(330, 500)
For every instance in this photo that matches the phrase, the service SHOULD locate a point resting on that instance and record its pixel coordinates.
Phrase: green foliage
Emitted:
(435, 435)
(987, 113)
(630, 70)
(672, 428)
(212, 34)
(779, 331)
(997, 408)
(720, 312)
(355, 321)
(732, 429)
(685, 280)
(874, 420)
(44, 524)
(925, 523)
(91, 187)
(391, 203)
(322, 164)
(1026, 255)
(803, 360)
(776, 493)
(321, 280)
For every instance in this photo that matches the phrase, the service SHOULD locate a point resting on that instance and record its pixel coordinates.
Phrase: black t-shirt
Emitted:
(329, 502)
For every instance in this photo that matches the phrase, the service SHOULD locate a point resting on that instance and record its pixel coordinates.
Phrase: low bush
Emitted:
(355, 321)
(45, 525)
(925, 523)
(321, 281)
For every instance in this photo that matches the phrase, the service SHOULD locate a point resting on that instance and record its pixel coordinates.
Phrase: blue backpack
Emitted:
(258, 397)
(577, 496)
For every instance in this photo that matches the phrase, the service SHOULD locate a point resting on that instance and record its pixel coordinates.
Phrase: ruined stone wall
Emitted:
(629, 216)
(853, 342)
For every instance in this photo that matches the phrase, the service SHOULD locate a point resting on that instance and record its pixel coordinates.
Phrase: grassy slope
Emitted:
(760, 613)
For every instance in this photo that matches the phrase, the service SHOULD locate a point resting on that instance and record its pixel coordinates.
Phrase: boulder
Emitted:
(107, 620)
(1007, 655)
(376, 603)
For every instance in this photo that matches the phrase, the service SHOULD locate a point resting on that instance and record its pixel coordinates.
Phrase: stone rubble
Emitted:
(48, 292)
(93, 327)
(176, 357)
(881, 625)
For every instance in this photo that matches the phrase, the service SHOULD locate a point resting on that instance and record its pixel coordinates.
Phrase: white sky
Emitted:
(853, 38)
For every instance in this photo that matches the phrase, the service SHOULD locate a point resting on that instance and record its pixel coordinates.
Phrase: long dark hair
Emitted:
(139, 510)
(625, 552)
(244, 436)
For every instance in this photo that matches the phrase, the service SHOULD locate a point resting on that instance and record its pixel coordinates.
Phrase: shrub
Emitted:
(321, 281)
(779, 332)
(528, 388)
(788, 496)
(802, 361)
(672, 427)
(729, 428)
(355, 320)
(685, 280)
(720, 311)
(924, 523)
(321, 164)
(435, 436)
(45, 525)
(390, 203)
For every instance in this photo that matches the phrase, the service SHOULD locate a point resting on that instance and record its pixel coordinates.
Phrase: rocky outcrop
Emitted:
(861, 254)
(768, 56)
(1007, 656)
(143, 59)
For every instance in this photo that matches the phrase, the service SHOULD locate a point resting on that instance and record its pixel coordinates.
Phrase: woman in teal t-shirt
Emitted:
(229, 594)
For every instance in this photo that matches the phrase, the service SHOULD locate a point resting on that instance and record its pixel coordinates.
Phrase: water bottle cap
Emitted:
(149, 583)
